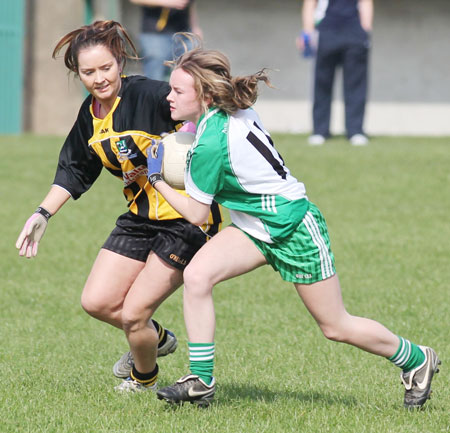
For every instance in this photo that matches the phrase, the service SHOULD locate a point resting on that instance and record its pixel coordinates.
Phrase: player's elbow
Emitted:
(198, 212)
(198, 220)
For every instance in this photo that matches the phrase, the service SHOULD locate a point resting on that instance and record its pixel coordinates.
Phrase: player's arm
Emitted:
(192, 210)
(34, 228)
(195, 212)
(55, 199)
(76, 171)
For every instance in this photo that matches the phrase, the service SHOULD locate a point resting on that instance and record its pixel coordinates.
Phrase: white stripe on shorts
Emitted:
(268, 203)
(311, 225)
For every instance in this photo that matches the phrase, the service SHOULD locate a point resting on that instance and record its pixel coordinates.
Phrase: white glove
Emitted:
(32, 232)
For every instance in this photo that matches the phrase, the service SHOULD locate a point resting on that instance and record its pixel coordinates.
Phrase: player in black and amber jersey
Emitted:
(142, 261)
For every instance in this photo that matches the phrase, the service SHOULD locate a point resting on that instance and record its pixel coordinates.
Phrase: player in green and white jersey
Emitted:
(234, 162)
(251, 179)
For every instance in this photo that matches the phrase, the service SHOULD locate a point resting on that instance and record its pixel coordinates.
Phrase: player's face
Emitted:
(183, 98)
(100, 73)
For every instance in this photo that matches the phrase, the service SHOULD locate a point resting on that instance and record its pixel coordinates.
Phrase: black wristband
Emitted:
(155, 177)
(44, 212)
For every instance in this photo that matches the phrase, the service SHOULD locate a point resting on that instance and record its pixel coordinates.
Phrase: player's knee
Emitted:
(96, 307)
(196, 281)
(132, 321)
(333, 332)
(91, 305)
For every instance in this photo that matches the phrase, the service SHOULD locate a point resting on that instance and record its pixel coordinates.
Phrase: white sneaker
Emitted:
(122, 368)
(359, 140)
(169, 346)
(130, 385)
(316, 140)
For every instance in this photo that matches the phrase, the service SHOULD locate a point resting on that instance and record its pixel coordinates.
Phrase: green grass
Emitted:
(387, 208)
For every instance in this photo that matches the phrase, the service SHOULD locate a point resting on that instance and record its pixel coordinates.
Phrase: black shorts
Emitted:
(174, 241)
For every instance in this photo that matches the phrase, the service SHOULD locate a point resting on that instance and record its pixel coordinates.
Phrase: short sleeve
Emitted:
(78, 167)
(205, 169)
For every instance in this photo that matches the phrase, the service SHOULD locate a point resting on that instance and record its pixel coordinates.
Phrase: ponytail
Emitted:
(211, 71)
(246, 88)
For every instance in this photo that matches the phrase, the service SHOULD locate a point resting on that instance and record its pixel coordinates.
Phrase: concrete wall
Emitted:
(55, 97)
(409, 90)
(409, 56)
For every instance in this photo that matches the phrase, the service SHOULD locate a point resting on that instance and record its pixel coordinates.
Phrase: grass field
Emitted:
(387, 208)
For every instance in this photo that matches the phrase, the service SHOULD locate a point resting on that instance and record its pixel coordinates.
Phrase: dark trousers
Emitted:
(349, 49)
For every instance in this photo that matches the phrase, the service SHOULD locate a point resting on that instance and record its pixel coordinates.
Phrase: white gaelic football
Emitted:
(176, 146)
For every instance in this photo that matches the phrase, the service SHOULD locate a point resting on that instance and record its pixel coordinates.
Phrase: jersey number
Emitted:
(266, 153)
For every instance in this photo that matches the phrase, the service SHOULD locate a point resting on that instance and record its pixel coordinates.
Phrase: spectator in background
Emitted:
(160, 20)
(344, 28)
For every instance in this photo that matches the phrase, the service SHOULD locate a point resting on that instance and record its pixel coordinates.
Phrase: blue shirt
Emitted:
(338, 14)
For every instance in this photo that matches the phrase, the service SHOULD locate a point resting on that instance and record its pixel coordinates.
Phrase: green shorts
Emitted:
(305, 256)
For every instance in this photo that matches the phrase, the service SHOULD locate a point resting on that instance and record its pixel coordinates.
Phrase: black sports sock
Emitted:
(162, 334)
(147, 379)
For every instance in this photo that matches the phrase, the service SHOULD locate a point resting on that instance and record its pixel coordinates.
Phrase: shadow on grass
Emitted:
(250, 392)
(229, 395)
(249, 395)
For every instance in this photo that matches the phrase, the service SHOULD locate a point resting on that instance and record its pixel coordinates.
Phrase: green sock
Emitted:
(201, 360)
(408, 355)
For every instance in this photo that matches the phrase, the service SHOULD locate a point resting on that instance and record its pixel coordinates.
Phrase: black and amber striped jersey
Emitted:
(119, 143)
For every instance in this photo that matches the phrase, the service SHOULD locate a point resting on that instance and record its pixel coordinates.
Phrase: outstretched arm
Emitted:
(55, 199)
(33, 230)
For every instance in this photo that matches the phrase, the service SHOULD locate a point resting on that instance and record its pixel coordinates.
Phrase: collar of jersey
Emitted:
(201, 125)
(204, 118)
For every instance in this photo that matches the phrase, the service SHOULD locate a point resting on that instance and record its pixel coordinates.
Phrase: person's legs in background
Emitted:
(156, 48)
(355, 77)
(328, 57)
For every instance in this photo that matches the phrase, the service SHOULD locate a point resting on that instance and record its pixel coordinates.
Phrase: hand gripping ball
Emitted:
(176, 146)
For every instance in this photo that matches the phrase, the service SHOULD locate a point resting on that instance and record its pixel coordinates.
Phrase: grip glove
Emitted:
(154, 162)
(32, 232)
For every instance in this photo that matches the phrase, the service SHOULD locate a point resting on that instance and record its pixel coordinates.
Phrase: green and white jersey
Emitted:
(234, 162)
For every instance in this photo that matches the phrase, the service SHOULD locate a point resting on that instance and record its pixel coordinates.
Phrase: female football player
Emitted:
(233, 161)
(142, 261)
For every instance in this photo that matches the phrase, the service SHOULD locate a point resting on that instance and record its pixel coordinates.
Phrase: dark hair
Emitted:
(110, 34)
(211, 71)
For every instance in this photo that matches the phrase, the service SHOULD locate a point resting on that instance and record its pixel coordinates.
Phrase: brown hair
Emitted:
(211, 71)
(110, 34)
